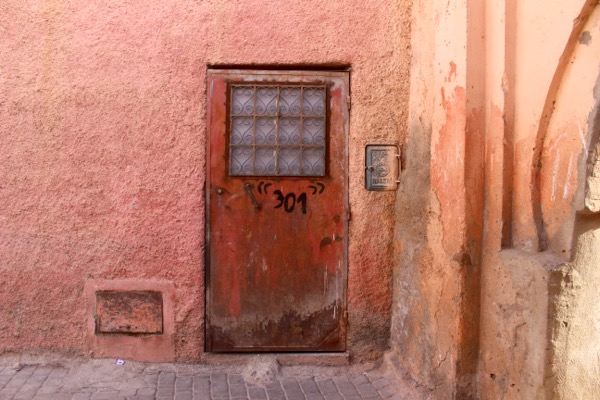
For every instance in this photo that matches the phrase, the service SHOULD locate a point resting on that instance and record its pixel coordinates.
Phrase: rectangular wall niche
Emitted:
(129, 312)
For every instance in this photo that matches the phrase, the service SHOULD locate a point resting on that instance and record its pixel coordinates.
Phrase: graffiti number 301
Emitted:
(289, 201)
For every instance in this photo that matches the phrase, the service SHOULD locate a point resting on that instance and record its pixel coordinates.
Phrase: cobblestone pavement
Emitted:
(105, 380)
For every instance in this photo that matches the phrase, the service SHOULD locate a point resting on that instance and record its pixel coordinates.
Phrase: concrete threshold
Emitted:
(284, 359)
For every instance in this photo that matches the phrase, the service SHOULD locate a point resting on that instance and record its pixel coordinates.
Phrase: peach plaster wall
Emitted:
(495, 163)
(102, 120)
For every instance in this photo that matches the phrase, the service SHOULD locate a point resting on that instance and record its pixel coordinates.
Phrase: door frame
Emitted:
(287, 76)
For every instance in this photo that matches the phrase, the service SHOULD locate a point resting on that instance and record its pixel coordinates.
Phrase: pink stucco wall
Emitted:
(102, 120)
(103, 124)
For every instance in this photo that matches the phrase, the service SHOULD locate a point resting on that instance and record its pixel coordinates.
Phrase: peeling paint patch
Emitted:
(452, 74)
(447, 167)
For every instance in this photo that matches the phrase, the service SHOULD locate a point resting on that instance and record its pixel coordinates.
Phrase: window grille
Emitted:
(277, 130)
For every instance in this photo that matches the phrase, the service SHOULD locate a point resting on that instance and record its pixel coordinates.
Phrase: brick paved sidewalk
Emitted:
(103, 380)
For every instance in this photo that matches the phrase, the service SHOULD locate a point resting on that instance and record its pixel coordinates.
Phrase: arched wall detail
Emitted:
(546, 132)
(542, 136)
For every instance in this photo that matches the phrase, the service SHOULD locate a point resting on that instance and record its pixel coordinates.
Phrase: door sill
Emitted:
(324, 359)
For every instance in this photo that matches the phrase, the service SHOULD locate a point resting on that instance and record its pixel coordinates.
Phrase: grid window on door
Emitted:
(277, 130)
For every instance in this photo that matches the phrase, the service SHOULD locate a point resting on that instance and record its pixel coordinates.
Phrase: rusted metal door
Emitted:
(277, 211)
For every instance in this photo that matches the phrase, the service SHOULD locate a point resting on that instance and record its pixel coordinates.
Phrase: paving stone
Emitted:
(367, 390)
(165, 392)
(43, 370)
(16, 382)
(295, 395)
(290, 384)
(26, 371)
(39, 379)
(353, 397)
(314, 396)
(309, 386)
(8, 392)
(184, 395)
(381, 383)
(201, 382)
(333, 396)
(388, 391)
(274, 391)
(30, 387)
(48, 389)
(148, 391)
(151, 378)
(201, 387)
(327, 386)
(235, 379)
(345, 387)
(58, 373)
(63, 396)
(374, 375)
(357, 380)
(219, 393)
(8, 371)
(257, 393)
(81, 396)
(237, 390)
(127, 392)
(218, 377)
(273, 386)
(24, 396)
(183, 382)
(398, 397)
(42, 397)
(166, 379)
(219, 385)
(107, 395)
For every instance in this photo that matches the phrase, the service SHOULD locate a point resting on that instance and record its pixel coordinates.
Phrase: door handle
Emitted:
(248, 188)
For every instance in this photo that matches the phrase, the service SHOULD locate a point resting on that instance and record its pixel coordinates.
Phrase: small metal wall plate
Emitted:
(382, 167)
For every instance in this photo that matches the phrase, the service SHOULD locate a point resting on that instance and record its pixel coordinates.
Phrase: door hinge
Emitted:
(348, 103)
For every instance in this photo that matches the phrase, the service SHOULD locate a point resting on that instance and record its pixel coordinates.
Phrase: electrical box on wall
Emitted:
(382, 167)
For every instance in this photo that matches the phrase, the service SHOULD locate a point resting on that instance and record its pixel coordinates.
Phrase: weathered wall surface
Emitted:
(575, 325)
(549, 129)
(538, 186)
(433, 306)
(102, 119)
(498, 142)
